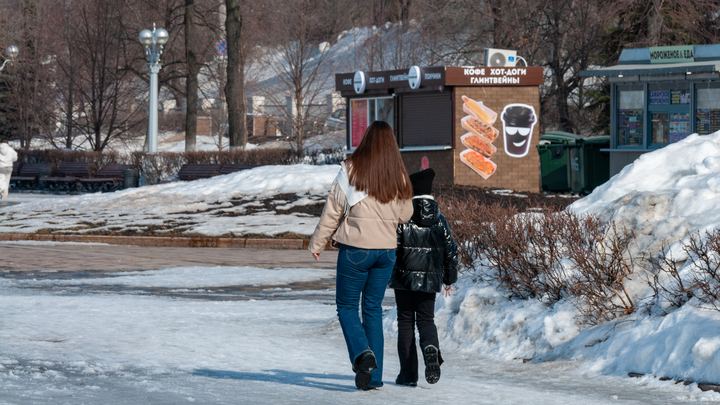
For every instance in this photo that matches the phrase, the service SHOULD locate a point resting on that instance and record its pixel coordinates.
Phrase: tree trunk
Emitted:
(235, 86)
(191, 111)
(404, 12)
(69, 113)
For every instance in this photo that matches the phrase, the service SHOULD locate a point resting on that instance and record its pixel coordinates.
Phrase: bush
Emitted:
(522, 253)
(663, 277)
(165, 165)
(601, 255)
(521, 250)
(702, 280)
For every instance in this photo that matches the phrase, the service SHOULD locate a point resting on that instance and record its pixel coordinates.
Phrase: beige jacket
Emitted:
(368, 224)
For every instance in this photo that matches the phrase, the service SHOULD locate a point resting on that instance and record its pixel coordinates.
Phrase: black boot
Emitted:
(364, 364)
(432, 364)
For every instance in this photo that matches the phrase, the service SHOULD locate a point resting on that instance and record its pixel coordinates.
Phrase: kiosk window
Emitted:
(366, 110)
(669, 112)
(427, 120)
(707, 115)
(630, 117)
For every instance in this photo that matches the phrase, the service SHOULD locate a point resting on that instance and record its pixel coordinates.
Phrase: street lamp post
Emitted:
(12, 52)
(153, 41)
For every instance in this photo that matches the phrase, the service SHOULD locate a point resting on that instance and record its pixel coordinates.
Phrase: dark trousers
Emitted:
(414, 307)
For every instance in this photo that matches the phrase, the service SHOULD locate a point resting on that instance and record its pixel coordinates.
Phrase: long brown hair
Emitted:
(376, 167)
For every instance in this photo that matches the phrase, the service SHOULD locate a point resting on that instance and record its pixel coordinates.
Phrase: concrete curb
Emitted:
(156, 241)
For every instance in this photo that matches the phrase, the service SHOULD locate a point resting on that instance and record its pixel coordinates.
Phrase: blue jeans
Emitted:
(363, 272)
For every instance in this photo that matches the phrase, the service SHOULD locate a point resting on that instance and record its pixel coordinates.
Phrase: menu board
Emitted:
(630, 127)
(679, 127)
(358, 121)
(707, 120)
(680, 97)
(659, 97)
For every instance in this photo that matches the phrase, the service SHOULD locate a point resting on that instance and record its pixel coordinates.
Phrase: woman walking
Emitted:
(7, 157)
(369, 198)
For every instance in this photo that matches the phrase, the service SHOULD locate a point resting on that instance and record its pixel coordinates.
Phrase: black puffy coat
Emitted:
(426, 252)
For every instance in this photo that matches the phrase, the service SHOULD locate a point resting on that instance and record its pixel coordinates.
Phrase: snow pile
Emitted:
(213, 206)
(663, 196)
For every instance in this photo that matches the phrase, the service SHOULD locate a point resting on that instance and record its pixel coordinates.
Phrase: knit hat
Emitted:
(422, 182)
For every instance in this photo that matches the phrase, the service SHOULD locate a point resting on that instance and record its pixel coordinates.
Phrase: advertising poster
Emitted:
(358, 121)
(708, 120)
(659, 97)
(630, 127)
(480, 137)
(518, 122)
(679, 127)
(680, 97)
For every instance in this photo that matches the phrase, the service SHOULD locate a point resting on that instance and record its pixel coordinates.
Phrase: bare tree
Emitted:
(301, 67)
(235, 85)
(191, 81)
(29, 80)
(108, 93)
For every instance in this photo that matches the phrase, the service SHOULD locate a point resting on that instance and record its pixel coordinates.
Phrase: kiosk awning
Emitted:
(654, 69)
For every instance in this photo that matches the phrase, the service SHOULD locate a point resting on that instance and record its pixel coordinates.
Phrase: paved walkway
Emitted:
(15, 197)
(77, 257)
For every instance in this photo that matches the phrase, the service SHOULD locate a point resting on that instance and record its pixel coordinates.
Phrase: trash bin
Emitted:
(554, 159)
(130, 177)
(589, 167)
(42, 173)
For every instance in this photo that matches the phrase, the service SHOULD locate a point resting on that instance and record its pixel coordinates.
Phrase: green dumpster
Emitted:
(589, 167)
(554, 159)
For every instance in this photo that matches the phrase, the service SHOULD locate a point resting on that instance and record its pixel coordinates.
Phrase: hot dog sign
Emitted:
(518, 123)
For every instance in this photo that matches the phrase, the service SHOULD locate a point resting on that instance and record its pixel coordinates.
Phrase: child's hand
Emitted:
(316, 256)
(447, 290)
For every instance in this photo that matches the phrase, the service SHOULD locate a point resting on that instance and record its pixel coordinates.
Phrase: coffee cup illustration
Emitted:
(518, 123)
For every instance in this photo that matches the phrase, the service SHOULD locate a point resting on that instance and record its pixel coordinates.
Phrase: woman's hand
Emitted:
(446, 291)
(316, 256)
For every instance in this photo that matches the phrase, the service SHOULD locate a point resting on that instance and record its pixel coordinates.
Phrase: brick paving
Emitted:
(71, 257)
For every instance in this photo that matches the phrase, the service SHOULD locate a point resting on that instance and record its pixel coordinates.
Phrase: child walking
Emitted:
(426, 259)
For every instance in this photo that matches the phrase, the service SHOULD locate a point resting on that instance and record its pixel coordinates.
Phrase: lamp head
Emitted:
(12, 51)
(161, 36)
(146, 37)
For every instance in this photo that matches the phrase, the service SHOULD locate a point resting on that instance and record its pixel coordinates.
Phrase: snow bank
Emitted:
(665, 194)
(662, 196)
(200, 206)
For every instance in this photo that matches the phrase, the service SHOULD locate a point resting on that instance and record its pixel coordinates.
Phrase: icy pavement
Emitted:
(15, 198)
(64, 341)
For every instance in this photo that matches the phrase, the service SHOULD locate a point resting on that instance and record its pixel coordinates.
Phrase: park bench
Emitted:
(109, 178)
(28, 175)
(232, 168)
(194, 171)
(67, 176)
(16, 168)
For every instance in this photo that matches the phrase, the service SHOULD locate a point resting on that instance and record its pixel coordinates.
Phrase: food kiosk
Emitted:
(473, 125)
(659, 96)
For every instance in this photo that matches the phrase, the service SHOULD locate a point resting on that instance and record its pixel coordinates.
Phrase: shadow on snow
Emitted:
(283, 377)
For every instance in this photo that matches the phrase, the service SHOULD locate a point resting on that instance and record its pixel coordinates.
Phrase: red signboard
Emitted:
(358, 121)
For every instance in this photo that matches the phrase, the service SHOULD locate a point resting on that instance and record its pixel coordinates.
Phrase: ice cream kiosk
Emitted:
(473, 125)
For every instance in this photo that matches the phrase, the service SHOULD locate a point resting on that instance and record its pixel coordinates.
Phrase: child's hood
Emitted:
(426, 211)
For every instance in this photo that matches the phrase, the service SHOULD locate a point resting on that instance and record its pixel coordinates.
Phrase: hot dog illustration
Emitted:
(478, 109)
(478, 144)
(478, 163)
